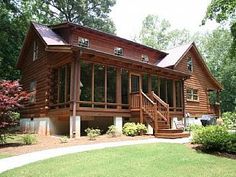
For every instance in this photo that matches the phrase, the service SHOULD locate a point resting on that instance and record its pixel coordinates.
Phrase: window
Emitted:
(35, 51)
(144, 58)
(145, 83)
(83, 42)
(118, 51)
(32, 98)
(190, 64)
(178, 89)
(60, 89)
(192, 94)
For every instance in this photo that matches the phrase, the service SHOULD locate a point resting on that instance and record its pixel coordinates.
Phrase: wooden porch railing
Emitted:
(162, 107)
(149, 107)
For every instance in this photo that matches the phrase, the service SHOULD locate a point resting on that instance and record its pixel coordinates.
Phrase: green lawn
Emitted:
(162, 160)
(3, 156)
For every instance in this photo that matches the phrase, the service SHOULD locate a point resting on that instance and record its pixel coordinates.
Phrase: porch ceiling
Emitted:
(127, 63)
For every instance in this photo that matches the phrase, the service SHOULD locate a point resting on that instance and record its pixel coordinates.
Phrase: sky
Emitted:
(129, 14)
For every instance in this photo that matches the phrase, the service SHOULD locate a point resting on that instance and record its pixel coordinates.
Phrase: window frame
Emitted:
(190, 66)
(83, 42)
(190, 95)
(32, 90)
(119, 51)
(35, 50)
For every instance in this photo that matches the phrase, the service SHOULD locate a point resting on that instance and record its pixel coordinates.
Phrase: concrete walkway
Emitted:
(20, 160)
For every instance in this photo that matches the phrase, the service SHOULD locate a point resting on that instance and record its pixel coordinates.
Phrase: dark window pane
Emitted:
(155, 84)
(99, 83)
(62, 85)
(145, 83)
(86, 82)
(170, 92)
(111, 85)
(68, 82)
(163, 89)
(125, 86)
(134, 83)
(178, 94)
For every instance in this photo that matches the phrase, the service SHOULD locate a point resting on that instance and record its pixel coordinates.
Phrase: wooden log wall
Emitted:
(199, 80)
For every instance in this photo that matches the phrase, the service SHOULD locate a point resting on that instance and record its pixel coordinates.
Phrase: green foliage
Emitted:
(132, 129)
(29, 139)
(215, 48)
(64, 139)
(229, 119)
(223, 12)
(141, 128)
(156, 33)
(92, 133)
(215, 138)
(112, 131)
(194, 127)
(3, 138)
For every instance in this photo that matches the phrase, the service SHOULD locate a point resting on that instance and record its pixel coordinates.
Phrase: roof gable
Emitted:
(48, 36)
(174, 55)
(177, 54)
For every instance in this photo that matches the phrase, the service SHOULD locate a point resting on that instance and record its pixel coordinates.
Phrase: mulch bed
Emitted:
(49, 142)
(199, 148)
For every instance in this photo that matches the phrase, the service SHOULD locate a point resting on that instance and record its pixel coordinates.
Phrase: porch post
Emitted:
(75, 93)
(118, 122)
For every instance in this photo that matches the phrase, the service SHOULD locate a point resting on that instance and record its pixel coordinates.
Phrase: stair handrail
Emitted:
(164, 104)
(153, 113)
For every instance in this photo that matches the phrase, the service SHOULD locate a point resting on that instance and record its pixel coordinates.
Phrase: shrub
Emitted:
(64, 139)
(230, 145)
(141, 128)
(29, 139)
(229, 119)
(215, 138)
(92, 133)
(112, 131)
(193, 127)
(130, 129)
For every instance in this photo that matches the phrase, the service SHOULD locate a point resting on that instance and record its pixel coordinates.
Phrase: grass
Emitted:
(162, 160)
(4, 156)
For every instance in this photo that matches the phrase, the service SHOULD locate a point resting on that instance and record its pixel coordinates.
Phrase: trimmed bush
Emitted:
(93, 133)
(141, 128)
(29, 139)
(112, 131)
(229, 119)
(215, 138)
(132, 129)
(64, 139)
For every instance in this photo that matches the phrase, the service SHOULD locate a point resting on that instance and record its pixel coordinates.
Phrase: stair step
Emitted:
(172, 135)
(170, 131)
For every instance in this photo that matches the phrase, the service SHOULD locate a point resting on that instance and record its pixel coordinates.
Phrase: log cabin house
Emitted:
(79, 77)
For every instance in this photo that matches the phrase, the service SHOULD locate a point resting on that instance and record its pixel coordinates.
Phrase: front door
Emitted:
(135, 83)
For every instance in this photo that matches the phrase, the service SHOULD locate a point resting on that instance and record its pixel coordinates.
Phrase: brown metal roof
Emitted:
(48, 36)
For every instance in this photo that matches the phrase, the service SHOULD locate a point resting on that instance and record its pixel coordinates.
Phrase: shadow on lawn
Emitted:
(199, 149)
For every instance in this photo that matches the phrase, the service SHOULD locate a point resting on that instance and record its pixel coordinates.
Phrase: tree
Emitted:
(223, 12)
(157, 33)
(15, 16)
(12, 99)
(91, 13)
(215, 47)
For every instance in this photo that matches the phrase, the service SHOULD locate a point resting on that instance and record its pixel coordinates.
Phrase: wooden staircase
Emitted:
(155, 112)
